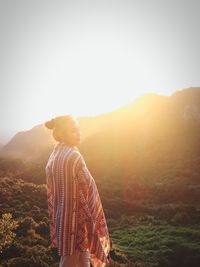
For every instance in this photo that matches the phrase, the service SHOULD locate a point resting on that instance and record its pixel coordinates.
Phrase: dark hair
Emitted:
(60, 125)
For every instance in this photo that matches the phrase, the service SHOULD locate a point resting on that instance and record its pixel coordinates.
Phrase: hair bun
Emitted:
(50, 124)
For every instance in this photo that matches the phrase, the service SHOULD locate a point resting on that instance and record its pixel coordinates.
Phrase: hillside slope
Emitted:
(149, 125)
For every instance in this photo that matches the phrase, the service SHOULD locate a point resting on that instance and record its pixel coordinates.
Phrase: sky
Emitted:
(89, 57)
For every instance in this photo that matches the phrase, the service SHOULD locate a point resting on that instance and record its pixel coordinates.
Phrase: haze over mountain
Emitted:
(30, 145)
(1, 146)
(152, 136)
(150, 120)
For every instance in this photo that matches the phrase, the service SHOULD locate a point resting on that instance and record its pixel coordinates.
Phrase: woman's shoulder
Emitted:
(77, 154)
(73, 153)
(74, 159)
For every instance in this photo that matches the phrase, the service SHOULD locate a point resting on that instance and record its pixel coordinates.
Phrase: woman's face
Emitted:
(72, 134)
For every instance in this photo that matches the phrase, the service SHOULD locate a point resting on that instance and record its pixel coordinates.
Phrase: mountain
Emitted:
(3, 141)
(151, 125)
(28, 145)
(153, 137)
(1, 146)
(36, 143)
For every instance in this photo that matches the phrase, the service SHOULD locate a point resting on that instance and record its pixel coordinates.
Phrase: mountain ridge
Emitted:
(151, 112)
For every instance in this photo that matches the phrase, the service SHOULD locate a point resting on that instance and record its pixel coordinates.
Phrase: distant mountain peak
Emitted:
(189, 92)
(144, 104)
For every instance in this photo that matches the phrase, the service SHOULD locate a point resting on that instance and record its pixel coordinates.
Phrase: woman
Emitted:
(78, 226)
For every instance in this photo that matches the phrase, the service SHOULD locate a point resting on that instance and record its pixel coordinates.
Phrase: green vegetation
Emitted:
(156, 244)
(144, 232)
(28, 231)
(7, 225)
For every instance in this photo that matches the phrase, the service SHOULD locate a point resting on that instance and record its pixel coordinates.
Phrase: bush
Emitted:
(7, 225)
(14, 250)
(26, 224)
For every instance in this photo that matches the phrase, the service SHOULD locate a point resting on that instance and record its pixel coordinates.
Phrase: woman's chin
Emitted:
(76, 143)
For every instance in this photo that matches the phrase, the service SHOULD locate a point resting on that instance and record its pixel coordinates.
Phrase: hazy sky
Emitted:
(89, 57)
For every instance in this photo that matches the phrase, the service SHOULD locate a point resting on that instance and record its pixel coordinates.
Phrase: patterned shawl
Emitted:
(76, 215)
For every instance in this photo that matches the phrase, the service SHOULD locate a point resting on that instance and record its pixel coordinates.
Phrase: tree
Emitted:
(7, 225)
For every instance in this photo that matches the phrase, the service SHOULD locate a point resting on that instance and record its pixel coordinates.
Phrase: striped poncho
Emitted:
(76, 216)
